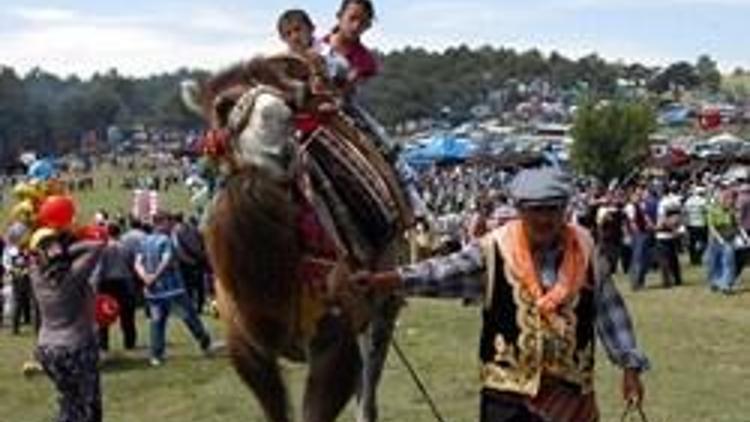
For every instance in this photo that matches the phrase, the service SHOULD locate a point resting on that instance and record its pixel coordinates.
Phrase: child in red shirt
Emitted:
(354, 19)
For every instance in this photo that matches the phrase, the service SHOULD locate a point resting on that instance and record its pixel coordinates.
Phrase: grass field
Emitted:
(699, 344)
(109, 196)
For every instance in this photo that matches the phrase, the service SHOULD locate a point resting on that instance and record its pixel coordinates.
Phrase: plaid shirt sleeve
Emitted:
(454, 276)
(615, 328)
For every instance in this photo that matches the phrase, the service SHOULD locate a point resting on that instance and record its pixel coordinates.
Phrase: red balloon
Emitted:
(57, 211)
(106, 310)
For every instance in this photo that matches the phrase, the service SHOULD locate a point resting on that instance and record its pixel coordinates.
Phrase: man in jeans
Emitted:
(191, 259)
(695, 215)
(642, 237)
(156, 265)
(722, 231)
(117, 279)
(668, 224)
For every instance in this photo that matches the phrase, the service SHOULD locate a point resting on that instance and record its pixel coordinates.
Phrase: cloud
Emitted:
(645, 4)
(44, 15)
(197, 34)
(68, 41)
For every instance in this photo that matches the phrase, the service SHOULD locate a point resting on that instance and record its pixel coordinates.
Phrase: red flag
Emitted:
(710, 119)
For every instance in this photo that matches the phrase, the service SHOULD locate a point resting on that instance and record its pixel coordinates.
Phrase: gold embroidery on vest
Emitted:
(541, 350)
(518, 369)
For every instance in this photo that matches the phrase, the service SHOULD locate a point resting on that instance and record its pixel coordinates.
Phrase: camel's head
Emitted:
(263, 129)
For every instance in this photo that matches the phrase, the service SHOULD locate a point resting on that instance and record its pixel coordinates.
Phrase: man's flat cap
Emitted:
(541, 186)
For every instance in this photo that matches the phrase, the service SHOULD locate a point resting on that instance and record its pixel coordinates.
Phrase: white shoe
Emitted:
(213, 348)
(155, 362)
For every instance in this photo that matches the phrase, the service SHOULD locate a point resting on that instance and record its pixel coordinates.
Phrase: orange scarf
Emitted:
(516, 251)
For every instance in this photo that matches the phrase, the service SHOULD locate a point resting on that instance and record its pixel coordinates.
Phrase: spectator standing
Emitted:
(743, 220)
(640, 227)
(695, 219)
(191, 258)
(16, 264)
(116, 278)
(609, 232)
(722, 229)
(156, 264)
(668, 225)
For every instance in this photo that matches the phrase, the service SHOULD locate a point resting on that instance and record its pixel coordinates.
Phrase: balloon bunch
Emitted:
(41, 203)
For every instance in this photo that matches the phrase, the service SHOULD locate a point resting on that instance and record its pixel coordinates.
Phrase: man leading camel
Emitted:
(544, 300)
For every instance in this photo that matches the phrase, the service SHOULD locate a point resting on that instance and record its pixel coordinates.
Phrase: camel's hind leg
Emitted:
(334, 371)
(262, 374)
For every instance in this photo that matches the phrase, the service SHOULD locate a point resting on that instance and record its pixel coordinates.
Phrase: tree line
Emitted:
(50, 114)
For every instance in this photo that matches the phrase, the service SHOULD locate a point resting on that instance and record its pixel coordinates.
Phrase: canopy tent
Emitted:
(440, 149)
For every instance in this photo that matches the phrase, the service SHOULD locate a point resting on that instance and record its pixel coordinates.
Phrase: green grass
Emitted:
(735, 81)
(111, 197)
(698, 343)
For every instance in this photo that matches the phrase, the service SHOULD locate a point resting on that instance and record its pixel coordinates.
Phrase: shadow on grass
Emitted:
(124, 364)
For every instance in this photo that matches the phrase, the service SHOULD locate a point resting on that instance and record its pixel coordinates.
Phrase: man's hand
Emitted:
(632, 388)
(360, 282)
(367, 282)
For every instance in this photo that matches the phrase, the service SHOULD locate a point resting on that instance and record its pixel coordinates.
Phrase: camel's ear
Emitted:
(191, 95)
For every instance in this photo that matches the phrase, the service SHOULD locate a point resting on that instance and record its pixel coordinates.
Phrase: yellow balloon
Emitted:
(23, 211)
(24, 191)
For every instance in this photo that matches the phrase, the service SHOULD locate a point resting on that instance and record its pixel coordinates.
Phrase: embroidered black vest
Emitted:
(517, 347)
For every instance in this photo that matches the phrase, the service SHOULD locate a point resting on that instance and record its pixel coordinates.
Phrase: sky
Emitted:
(143, 37)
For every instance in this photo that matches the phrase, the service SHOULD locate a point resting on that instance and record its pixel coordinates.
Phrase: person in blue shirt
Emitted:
(155, 263)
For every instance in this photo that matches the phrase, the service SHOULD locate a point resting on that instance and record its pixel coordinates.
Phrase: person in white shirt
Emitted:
(668, 225)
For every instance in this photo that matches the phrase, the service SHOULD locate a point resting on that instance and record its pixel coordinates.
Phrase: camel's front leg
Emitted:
(261, 373)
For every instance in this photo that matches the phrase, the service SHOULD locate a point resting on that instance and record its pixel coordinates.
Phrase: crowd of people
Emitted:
(131, 253)
(643, 226)
(470, 211)
(59, 287)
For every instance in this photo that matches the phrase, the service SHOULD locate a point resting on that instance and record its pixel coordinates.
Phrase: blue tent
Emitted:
(439, 149)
